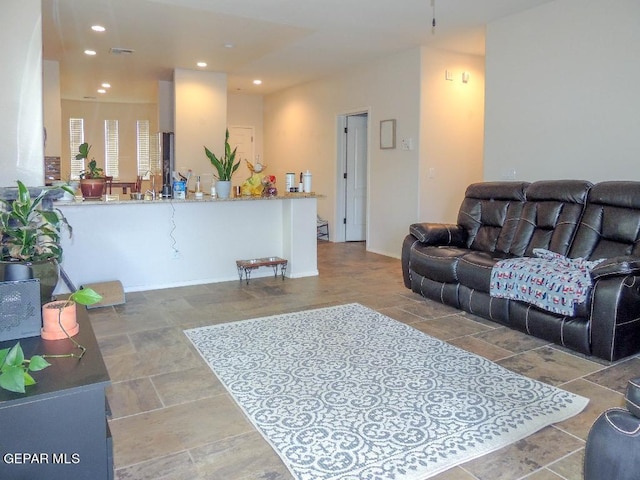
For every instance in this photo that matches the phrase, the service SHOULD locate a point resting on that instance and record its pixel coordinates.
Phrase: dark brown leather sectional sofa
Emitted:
(497, 220)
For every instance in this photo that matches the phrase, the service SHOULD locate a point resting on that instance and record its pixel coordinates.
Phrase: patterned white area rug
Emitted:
(347, 393)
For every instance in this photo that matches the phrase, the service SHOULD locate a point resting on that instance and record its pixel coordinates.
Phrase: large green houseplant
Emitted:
(31, 238)
(225, 165)
(92, 178)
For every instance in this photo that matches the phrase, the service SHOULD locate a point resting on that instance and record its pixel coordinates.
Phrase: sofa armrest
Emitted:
(615, 316)
(439, 234)
(614, 266)
(632, 397)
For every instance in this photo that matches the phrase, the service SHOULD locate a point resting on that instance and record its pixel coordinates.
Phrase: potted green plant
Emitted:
(225, 165)
(31, 239)
(15, 368)
(59, 317)
(92, 178)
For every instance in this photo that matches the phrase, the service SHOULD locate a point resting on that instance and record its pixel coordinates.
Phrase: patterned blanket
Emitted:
(549, 280)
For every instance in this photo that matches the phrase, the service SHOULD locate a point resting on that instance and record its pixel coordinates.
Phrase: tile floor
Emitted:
(173, 420)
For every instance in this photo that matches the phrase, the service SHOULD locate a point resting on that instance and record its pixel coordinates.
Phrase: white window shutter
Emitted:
(76, 138)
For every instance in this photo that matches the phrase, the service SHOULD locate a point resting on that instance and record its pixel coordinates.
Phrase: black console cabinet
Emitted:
(58, 429)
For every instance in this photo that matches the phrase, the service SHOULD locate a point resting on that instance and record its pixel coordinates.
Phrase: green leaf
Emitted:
(3, 355)
(28, 379)
(38, 363)
(15, 357)
(23, 193)
(12, 379)
(85, 296)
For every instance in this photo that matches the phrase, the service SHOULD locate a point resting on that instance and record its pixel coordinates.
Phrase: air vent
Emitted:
(121, 51)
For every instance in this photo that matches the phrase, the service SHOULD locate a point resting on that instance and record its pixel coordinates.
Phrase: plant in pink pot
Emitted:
(59, 317)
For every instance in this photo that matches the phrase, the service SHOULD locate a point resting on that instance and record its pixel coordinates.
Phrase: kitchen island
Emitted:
(149, 245)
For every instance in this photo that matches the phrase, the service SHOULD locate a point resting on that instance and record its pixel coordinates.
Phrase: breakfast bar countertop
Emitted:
(155, 244)
(124, 199)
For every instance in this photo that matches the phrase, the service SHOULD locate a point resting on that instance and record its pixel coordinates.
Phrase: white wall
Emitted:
(94, 115)
(52, 108)
(166, 107)
(443, 119)
(451, 132)
(21, 133)
(200, 118)
(562, 92)
(248, 111)
(300, 133)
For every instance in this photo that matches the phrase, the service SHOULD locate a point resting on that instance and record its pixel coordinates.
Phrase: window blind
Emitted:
(144, 160)
(76, 138)
(154, 154)
(111, 148)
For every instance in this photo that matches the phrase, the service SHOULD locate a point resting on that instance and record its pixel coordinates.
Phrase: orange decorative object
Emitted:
(56, 313)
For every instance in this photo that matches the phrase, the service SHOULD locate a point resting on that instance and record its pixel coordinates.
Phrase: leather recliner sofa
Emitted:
(452, 263)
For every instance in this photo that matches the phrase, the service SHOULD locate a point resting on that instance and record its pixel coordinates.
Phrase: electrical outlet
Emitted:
(406, 144)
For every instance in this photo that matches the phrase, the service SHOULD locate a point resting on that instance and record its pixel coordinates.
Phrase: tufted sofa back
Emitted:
(489, 213)
(550, 216)
(610, 225)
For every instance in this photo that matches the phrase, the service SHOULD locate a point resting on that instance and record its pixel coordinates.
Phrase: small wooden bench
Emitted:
(247, 265)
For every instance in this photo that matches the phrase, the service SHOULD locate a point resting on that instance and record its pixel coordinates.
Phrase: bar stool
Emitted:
(108, 183)
(322, 228)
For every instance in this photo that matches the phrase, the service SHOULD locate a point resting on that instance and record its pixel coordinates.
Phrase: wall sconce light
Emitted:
(465, 77)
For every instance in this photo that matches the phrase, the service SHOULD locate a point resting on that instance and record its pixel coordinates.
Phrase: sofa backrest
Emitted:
(610, 225)
(550, 216)
(489, 213)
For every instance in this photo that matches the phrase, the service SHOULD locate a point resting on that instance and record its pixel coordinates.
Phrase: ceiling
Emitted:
(281, 42)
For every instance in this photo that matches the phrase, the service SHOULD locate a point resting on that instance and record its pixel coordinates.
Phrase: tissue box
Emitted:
(20, 309)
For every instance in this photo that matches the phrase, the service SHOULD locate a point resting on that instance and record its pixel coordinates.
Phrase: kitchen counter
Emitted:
(157, 244)
(125, 199)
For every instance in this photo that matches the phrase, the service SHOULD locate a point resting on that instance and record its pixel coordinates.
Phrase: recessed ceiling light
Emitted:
(98, 28)
(228, 45)
(106, 85)
(257, 82)
(102, 90)
(90, 52)
(202, 64)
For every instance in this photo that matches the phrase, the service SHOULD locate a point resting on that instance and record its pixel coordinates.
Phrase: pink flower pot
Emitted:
(56, 313)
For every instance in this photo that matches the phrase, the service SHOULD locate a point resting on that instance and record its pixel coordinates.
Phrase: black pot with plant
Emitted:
(30, 236)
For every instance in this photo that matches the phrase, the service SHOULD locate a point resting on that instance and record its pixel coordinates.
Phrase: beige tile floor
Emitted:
(173, 420)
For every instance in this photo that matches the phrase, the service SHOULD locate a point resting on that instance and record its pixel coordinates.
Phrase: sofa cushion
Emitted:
(489, 213)
(610, 225)
(474, 269)
(550, 216)
(436, 263)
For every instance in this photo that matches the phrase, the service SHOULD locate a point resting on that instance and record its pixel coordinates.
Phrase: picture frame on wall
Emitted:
(387, 134)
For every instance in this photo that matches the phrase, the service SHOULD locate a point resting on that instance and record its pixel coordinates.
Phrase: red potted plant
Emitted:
(91, 179)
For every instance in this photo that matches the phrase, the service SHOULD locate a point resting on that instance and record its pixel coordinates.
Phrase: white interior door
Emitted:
(356, 179)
